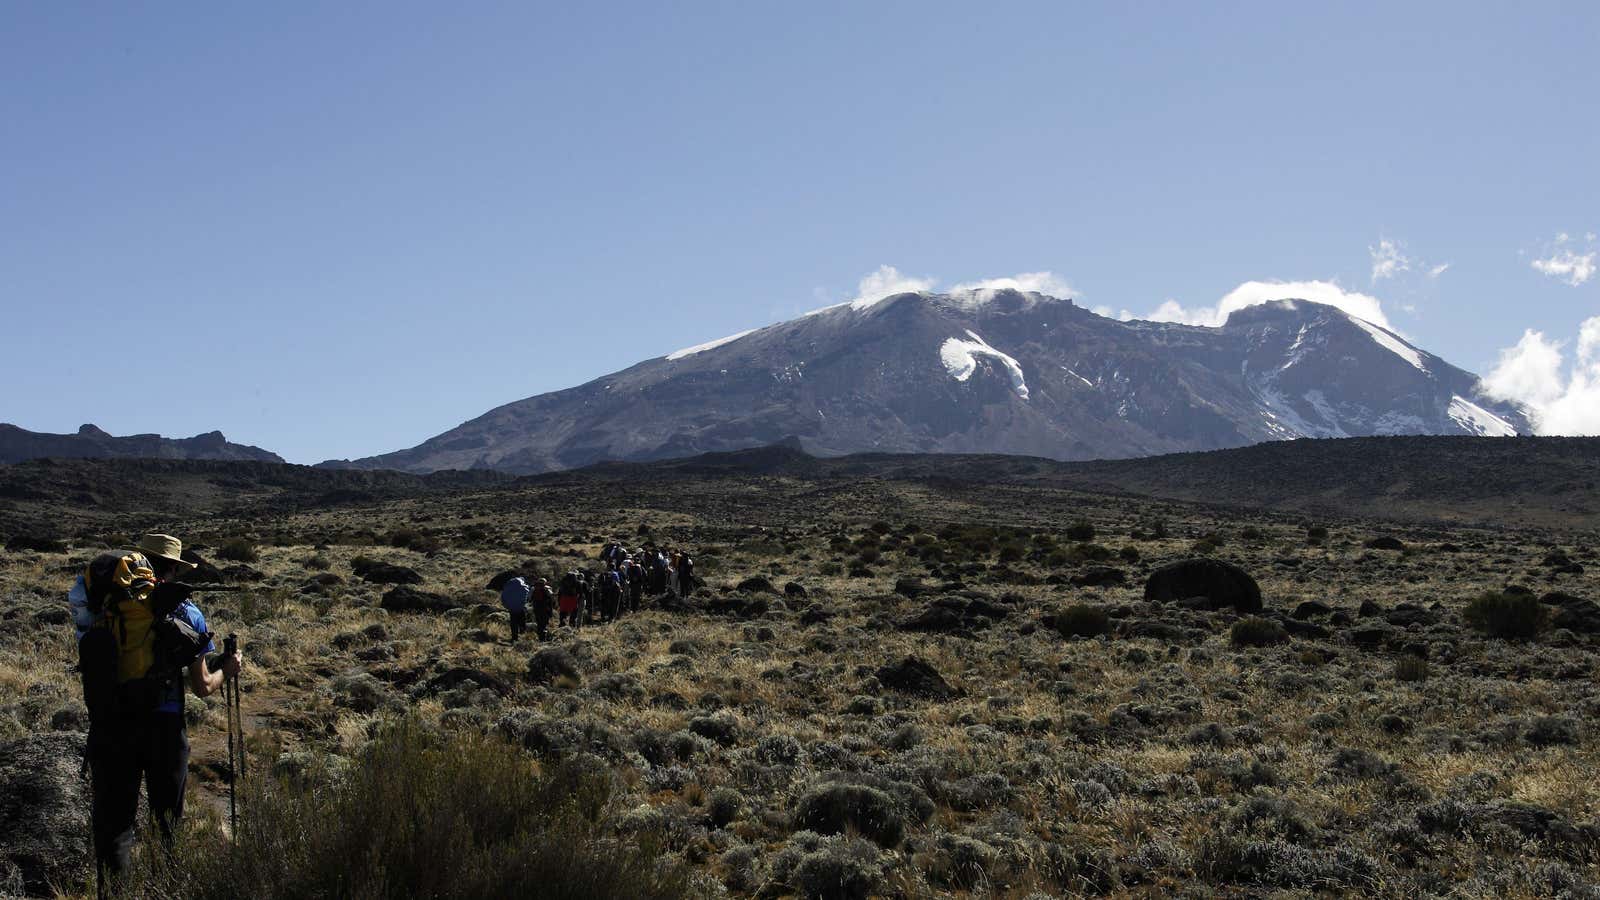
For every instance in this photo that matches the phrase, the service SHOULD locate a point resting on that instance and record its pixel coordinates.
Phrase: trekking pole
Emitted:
(230, 693)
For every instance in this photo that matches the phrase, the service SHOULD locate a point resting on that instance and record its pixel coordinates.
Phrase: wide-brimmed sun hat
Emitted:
(164, 546)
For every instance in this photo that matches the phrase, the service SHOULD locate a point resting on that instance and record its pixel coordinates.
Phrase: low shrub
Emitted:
(832, 808)
(1080, 531)
(1083, 620)
(1257, 632)
(419, 813)
(1411, 668)
(1512, 616)
(239, 550)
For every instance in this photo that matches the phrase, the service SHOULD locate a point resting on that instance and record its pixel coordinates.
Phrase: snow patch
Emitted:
(1389, 342)
(960, 359)
(1478, 420)
(1077, 376)
(709, 345)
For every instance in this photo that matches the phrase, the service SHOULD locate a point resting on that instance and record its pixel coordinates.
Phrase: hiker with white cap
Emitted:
(140, 637)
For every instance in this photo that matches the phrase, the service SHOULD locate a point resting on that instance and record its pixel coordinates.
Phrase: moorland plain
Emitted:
(939, 683)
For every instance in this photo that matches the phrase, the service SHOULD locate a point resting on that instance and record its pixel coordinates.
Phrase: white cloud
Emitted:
(1255, 293)
(1436, 271)
(1388, 259)
(887, 282)
(1559, 401)
(1048, 283)
(1564, 263)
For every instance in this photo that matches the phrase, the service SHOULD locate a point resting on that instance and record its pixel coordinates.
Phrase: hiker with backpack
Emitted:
(514, 597)
(543, 601)
(140, 639)
(610, 594)
(634, 576)
(685, 573)
(567, 601)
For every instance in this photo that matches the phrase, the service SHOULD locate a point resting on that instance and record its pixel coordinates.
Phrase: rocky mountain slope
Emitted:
(18, 444)
(987, 372)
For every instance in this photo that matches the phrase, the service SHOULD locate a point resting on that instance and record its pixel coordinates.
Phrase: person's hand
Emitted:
(231, 664)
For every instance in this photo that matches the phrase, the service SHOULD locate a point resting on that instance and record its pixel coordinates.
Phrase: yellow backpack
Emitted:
(120, 588)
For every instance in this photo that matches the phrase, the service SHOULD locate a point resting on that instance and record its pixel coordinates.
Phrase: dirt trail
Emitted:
(261, 708)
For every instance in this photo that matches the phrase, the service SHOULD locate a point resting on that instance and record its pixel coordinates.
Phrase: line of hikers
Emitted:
(584, 597)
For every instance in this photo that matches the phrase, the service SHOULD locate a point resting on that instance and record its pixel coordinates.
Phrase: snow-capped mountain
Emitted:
(987, 371)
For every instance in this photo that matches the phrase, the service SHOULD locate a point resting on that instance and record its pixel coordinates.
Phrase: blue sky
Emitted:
(335, 230)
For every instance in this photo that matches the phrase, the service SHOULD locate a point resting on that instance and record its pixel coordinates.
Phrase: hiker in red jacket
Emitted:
(567, 600)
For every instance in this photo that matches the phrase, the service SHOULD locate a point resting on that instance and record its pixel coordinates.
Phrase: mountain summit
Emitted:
(997, 371)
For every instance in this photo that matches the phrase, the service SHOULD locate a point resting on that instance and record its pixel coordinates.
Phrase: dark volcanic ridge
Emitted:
(19, 444)
(987, 372)
(1541, 481)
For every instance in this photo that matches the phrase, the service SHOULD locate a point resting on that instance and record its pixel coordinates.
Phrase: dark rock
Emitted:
(757, 584)
(53, 615)
(1407, 614)
(242, 572)
(498, 582)
(44, 812)
(1100, 576)
(1369, 608)
(911, 587)
(981, 608)
(815, 614)
(1305, 629)
(938, 618)
(35, 542)
(453, 678)
(1311, 608)
(376, 572)
(1581, 616)
(913, 676)
(1385, 543)
(1224, 584)
(405, 598)
(794, 589)
(551, 663)
(203, 571)
(1370, 635)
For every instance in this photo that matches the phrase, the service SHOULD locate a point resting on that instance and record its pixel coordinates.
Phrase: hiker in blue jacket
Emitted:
(514, 597)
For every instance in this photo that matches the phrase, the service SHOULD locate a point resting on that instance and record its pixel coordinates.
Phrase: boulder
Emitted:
(757, 584)
(938, 618)
(1100, 576)
(1311, 608)
(498, 582)
(1385, 542)
(911, 587)
(1581, 616)
(405, 598)
(794, 589)
(377, 572)
(203, 571)
(1222, 584)
(1407, 614)
(913, 676)
(242, 572)
(44, 812)
(454, 678)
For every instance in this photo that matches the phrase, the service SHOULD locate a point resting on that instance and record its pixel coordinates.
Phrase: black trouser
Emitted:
(685, 585)
(153, 748)
(519, 623)
(541, 621)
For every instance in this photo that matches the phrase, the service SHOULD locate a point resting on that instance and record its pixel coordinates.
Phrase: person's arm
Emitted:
(205, 682)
